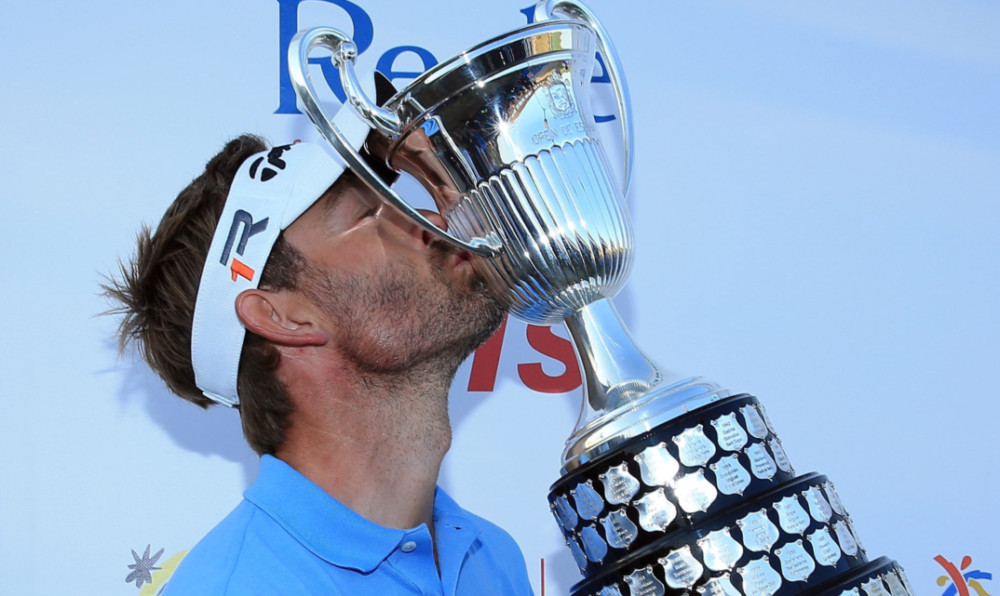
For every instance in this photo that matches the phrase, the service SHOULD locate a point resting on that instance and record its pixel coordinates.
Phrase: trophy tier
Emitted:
(708, 503)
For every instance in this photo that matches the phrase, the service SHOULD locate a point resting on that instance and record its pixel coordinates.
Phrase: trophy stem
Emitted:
(625, 393)
(614, 369)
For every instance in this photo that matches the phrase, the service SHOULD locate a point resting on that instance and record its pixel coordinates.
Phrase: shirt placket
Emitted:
(413, 559)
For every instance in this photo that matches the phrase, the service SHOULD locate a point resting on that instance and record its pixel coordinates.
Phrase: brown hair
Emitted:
(156, 294)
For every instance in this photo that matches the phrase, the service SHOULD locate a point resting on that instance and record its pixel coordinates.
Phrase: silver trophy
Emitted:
(669, 483)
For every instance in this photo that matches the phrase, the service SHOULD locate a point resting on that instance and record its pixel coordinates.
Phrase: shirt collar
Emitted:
(319, 521)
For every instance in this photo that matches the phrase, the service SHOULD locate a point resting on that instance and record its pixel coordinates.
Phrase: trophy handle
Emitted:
(545, 10)
(384, 121)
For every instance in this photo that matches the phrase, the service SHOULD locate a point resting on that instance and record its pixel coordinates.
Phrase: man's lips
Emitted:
(462, 259)
(452, 258)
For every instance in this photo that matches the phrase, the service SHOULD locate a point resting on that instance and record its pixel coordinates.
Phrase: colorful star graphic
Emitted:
(961, 580)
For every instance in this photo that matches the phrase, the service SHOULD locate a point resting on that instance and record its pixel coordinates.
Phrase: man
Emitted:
(336, 326)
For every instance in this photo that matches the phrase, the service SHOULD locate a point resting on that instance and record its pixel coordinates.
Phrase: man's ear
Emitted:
(279, 317)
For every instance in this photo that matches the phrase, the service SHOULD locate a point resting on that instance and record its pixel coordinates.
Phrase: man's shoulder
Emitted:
(238, 556)
(494, 535)
(494, 563)
(500, 554)
(489, 532)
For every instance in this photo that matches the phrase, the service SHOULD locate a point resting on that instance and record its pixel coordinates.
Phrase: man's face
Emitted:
(394, 296)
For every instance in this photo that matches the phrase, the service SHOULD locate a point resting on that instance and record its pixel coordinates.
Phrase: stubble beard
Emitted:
(392, 323)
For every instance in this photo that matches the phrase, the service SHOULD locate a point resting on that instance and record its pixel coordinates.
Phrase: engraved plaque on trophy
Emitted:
(643, 582)
(796, 564)
(588, 503)
(819, 509)
(730, 476)
(826, 550)
(759, 533)
(719, 551)
(619, 485)
(791, 516)
(732, 437)
(657, 466)
(681, 568)
(619, 529)
(694, 492)
(754, 421)
(761, 464)
(759, 578)
(656, 512)
(719, 586)
(694, 447)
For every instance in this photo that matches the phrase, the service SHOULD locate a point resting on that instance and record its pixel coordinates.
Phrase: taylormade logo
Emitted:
(274, 164)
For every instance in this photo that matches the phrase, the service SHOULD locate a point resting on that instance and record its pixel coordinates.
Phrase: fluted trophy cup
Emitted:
(670, 484)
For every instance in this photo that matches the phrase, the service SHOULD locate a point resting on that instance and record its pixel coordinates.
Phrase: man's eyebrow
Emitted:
(330, 199)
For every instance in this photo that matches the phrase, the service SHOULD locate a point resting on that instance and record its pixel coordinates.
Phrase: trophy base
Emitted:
(709, 501)
(637, 415)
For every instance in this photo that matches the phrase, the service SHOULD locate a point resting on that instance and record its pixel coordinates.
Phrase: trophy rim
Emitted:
(465, 59)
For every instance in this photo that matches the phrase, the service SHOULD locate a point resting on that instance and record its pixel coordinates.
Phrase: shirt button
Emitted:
(408, 547)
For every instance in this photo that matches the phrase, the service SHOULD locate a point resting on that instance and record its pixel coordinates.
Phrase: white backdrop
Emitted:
(816, 208)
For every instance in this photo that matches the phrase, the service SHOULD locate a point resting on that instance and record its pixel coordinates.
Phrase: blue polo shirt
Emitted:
(288, 536)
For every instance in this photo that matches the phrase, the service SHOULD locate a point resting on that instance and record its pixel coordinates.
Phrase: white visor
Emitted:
(270, 191)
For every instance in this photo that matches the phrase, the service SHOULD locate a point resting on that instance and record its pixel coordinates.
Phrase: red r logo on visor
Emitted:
(244, 227)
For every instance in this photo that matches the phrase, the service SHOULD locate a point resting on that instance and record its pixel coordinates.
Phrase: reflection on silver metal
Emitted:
(896, 587)
(719, 586)
(656, 512)
(761, 464)
(719, 550)
(593, 544)
(904, 580)
(819, 509)
(834, 498)
(619, 529)
(854, 532)
(578, 555)
(874, 587)
(656, 466)
(642, 581)
(504, 139)
(693, 447)
(589, 504)
(796, 564)
(759, 578)
(846, 540)
(824, 548)
(681, 569)
(344, 52)
(565, 514)
(546, 10)
(619, 485)
(694, 492)
(755, 424)
(791, 516)
(731, 435)
(759, 532)
(767, 419)
(780, 457)
(730, 476)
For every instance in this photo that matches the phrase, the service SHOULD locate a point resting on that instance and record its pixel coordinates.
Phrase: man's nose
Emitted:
(421, 236)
